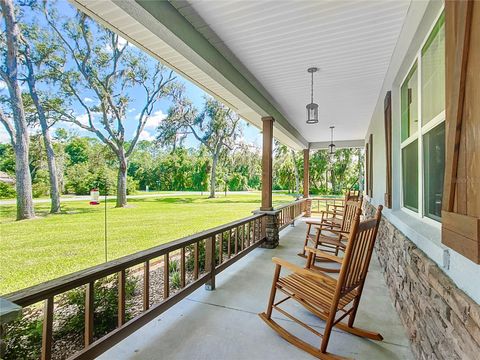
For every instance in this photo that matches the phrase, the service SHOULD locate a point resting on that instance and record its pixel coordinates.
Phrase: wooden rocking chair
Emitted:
(334, 212)
(328, 298)
(333, 242)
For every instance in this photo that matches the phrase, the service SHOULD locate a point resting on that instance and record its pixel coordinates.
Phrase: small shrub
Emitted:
(7, 191)
(173, 266)
(191, 257)
(175, 280)
(23, 339)
(105, 305)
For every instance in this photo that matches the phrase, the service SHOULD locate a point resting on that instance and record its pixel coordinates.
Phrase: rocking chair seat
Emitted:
(330, 240)
(317, 293)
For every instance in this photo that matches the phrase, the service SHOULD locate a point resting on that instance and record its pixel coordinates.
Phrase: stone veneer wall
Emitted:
(441, 321)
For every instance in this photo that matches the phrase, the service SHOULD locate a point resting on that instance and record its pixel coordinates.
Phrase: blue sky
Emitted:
(251, 134)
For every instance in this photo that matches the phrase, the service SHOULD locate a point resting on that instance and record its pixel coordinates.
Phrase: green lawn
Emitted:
(49, 246)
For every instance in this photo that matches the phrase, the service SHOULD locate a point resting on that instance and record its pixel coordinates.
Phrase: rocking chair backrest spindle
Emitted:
(358, 252)
(352, 195)
(351, 207)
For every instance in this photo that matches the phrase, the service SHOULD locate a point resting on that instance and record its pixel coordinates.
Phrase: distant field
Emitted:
(37, 250)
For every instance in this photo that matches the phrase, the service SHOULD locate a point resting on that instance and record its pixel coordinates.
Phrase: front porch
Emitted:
(223, 324)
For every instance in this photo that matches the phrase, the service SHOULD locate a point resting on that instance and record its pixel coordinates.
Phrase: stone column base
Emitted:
(271, 232)
(308, 208)
(271, 228)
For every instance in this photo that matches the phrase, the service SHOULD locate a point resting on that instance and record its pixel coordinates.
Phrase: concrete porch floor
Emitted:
(223, 324)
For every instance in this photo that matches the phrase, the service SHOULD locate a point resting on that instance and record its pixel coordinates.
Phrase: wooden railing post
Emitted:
(47, 331)
(146, 285)
(89, 310)
(210, 262)
(121, 297)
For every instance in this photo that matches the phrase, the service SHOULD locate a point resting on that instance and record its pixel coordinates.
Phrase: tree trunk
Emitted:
(47, 140)
(213, 176)
(122, 180)
(22, 172)
(297, 177)
(52, 169)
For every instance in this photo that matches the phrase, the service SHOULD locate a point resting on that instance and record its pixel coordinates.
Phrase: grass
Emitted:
(50, 246)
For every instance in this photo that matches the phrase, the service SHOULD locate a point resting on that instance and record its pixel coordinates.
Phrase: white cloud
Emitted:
(121, 42)
(88, 100)
(145, 135)
(131, 110)
(3, 85)
(83, 118)
(4, 136)
(155, 119)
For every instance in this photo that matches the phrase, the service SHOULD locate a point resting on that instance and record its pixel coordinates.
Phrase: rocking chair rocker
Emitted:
(328, 298)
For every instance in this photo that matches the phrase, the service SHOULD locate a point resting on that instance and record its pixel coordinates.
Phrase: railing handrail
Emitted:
(36, 293)
(282, 206)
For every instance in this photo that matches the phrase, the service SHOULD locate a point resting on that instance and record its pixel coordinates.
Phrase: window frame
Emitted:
(422, 129)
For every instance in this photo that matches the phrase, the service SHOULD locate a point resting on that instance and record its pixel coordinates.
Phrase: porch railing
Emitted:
(223, 246)
(288, 213)
(318, 204)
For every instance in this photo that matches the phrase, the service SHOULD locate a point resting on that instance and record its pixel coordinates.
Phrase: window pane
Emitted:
(410, 175)
(433, 73)
(409, 103)
(434, 166)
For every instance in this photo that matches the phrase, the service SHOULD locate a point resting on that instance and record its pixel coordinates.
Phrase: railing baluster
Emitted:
(166, 277)
(229, 245)
(210, 262)
(244, 231)
(236, 242)
(250, 233)
(121, 297)
(182, 267)
(47, 339)
(220, 249)
(195, 265)
(89, 310)
(240, 242)
(146, 285)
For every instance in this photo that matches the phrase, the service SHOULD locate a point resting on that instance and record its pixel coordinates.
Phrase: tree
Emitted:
(201, 169)
(216, 127)
(35, 50)
(18, 131)
(318, 170)
(98, 61)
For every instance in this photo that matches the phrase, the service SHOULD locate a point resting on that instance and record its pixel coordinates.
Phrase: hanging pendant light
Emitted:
(312, 108)
(332, 145)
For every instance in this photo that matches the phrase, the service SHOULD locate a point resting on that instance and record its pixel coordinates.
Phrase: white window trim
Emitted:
(418, 135)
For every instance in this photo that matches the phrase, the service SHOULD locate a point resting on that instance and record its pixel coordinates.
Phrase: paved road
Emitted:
(87, 197)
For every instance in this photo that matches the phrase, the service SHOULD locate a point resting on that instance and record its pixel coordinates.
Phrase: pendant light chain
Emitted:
(311, 92)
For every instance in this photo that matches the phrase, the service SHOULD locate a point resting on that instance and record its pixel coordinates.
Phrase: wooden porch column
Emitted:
(306, 182)
(306, 173)
(267, 163)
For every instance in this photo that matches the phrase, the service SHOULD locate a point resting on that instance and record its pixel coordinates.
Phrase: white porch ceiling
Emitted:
(274, 42)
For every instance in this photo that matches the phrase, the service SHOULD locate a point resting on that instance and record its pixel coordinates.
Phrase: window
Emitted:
(422, 101)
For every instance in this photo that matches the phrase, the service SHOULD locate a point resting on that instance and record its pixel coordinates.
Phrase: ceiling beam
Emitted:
(339, 144)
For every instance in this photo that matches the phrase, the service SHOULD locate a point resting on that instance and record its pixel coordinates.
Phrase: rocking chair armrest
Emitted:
(303, 271)
(328, 212)
(327, 227)
(322, 254)
(335, 206)
(340, 232)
